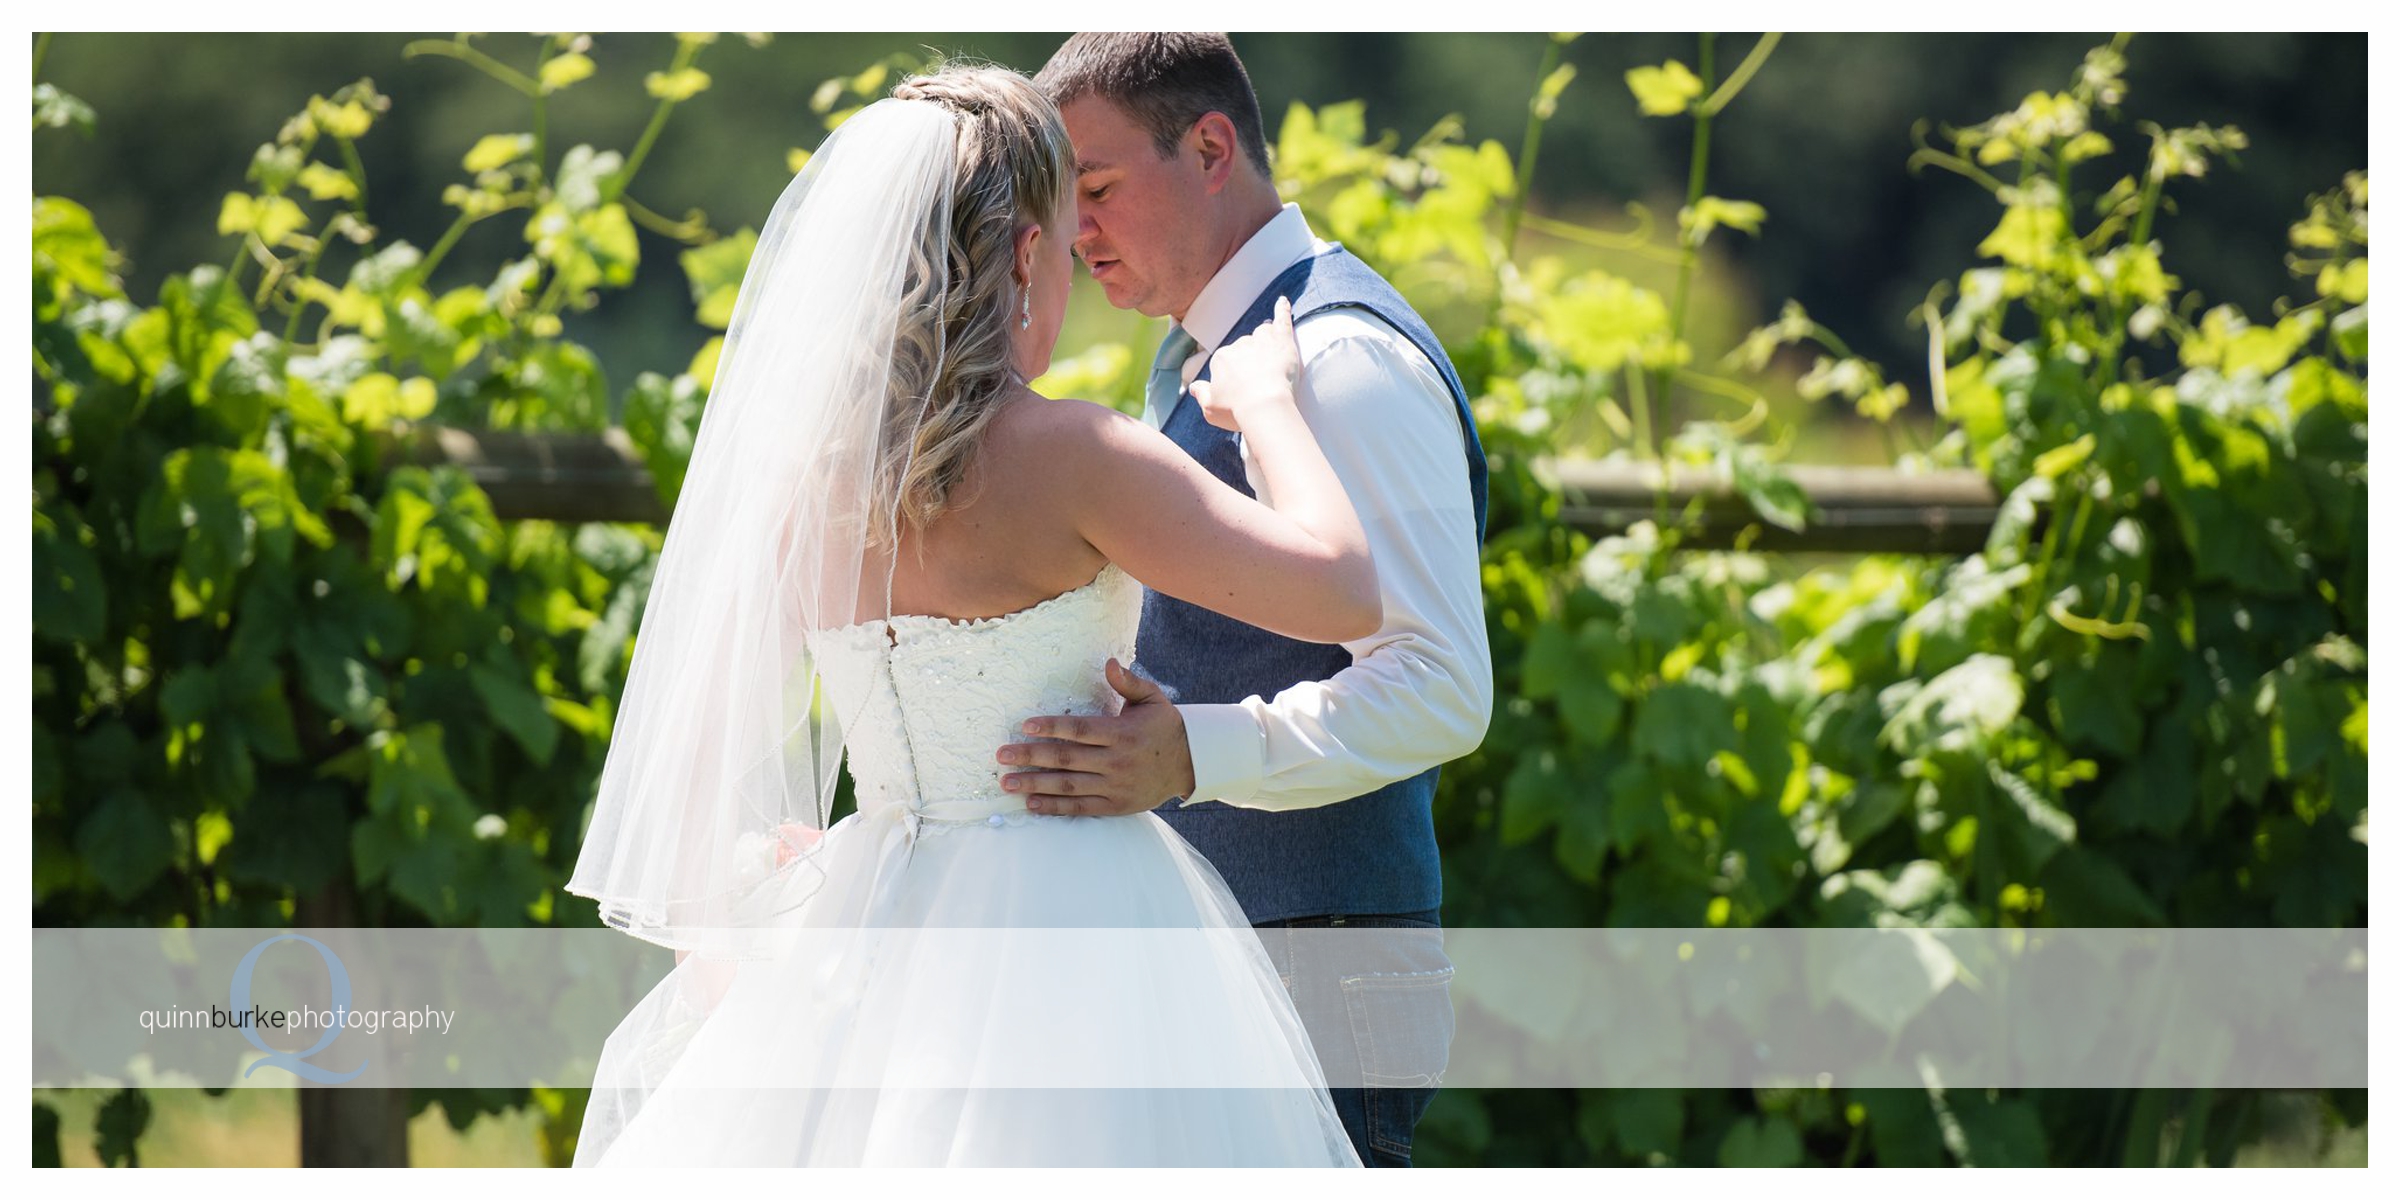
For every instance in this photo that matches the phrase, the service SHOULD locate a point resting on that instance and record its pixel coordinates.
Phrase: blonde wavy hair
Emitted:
(952, 363)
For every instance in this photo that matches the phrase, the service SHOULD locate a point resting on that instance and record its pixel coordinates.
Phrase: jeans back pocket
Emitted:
(1402, 1023)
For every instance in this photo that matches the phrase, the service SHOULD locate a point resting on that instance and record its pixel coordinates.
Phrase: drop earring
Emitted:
(1026, 321)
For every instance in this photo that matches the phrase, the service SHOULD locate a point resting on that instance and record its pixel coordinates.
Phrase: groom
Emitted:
(1308, 769)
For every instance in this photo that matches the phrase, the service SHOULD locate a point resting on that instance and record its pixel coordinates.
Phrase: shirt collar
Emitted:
(1283, 240)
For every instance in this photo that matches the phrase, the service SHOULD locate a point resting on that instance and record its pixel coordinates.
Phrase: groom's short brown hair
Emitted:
(1164, 81)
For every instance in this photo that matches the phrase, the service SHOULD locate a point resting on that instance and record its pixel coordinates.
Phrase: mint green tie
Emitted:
(1166, 377)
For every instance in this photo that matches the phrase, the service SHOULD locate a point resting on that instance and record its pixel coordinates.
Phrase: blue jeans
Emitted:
(1377, 1011)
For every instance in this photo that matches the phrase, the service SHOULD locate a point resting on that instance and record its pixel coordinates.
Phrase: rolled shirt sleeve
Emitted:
(1418, 692)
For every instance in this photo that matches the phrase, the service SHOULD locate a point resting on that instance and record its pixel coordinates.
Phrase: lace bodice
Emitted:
(927, 702)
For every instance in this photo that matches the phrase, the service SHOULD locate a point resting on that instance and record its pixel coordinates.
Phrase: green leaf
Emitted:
(237, 214)
(409, 777)
(1584, 828)
(676, 86)
(586, 721)
(1902, 1127)
(1545, 97)
(517, 709)
(2089, 144)
(2093, 706)
(662, 417)
(1646, 1120)
(196, 325)
(493, 151)
(607, 235)
(2350, 334)
(506, 881)
(703, 366)
(118, 1128)
(379, 400)
(1458, 1119)
(1754, 1141)
(54, 109)
(293, 837)
(826, 95)
(2039, 828)
(68, 247)
(1651, 892)
(210, 832)
(1961, 710)
(1637, 807)
(1996, 1133)
(106, 755)
(435, 528)
(557, 385)
(1682, 725)
(1914, 893)
(125, 843)
(2058, 460)
(1973, 611)
(426, 874)
(49, 770)
(2028, 236)
(348, 116)
(46, 1151)
(221, 509)
(274, 166)
(1535, 797)
(2314, 872)
(70, 600)
(2082, 888)
(382, 273)
(250, 695)
(1591, 707)
(564, 71)
(1769, 855)
(326, 183)
(587, 247)
(421, 863)
(1869, 808)
(275, 218)
(335, 670)
(1549, 659)
(1663, 90)
(715, 271)
(1701, 219)
(606, 647)
(246, 388)
(2304, 712)
(580, 175)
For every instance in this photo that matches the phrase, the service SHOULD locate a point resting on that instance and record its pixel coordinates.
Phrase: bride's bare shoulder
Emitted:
(1049, 430)
(1036, 411)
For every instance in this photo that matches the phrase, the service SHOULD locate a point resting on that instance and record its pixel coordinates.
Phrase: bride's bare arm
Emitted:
(1300, 568)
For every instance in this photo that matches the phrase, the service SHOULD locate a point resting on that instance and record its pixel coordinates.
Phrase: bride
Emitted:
(888, 545)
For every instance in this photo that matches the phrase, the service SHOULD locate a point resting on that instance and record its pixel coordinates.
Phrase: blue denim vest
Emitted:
(1372, 854)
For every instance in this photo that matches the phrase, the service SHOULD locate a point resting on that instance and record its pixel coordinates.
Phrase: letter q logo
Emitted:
(297, 1062)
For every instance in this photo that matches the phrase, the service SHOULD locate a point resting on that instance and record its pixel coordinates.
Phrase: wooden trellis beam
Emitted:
(1860, 510)
(600, 477)
(571, 477)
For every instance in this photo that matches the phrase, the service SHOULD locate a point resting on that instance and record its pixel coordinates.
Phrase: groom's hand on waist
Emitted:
(1104, 766)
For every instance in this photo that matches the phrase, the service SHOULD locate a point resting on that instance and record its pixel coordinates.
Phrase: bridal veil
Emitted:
(723, 746)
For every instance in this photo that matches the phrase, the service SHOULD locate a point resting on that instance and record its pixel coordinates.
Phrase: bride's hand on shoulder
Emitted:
(1262, 368)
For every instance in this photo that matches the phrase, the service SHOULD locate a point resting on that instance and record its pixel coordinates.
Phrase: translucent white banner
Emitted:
(1382, 1007)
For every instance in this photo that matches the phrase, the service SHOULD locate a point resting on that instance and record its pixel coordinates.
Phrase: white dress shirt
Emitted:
(1418, 692)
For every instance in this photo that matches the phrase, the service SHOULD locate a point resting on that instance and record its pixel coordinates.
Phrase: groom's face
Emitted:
(1138, 212)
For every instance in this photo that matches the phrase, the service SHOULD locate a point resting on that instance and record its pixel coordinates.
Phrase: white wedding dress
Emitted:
(969, 983)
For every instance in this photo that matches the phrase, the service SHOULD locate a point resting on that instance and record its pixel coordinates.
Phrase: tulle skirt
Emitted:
(1023, 990)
